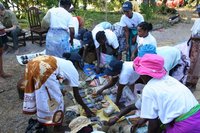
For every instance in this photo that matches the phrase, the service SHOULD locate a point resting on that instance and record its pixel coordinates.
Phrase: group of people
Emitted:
(165, 100)
(104, 39)
(44, 75)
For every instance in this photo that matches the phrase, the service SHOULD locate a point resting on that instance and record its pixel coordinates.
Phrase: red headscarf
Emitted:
(81, 21)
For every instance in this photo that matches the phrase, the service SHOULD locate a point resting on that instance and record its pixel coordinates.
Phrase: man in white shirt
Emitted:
(129, 22)
(164, 99)
(123, 74)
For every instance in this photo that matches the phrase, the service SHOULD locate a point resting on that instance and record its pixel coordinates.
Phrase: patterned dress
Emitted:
(194, 54)
(193, 72)
(42, 94)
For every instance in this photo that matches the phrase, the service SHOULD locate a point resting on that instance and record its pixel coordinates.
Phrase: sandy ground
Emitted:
(11, 118)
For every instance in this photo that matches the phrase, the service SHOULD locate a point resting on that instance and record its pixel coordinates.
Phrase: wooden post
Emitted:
(106, 1)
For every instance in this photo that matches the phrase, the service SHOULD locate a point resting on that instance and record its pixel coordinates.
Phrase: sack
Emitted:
(35, 127)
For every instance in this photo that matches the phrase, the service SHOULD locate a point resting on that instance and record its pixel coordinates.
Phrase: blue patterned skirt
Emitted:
(57, 42)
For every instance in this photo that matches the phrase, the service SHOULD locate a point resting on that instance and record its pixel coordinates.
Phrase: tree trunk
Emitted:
(146, 2)
(153, 2)
(197, 3)
(5, 3)
(76, 4)
(85, 4)
(121, 1)
(18, 9)
(190, 1)
(164, 2)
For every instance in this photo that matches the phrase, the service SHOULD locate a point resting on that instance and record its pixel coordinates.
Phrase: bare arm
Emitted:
(127, 110)
(111, 83)
(79, 100)
(121, 113)
(139, 80)
(154, 126)
(139, 124)
(135, 51)
(84, 52)
(119, 93)
(127, 36)
(188, 42)
(71, 35)
(14, 23)
(46, 21)
(98, 60)
(116, 52)
(11, 28)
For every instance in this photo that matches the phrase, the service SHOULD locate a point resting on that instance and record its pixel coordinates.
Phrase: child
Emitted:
(144, 37)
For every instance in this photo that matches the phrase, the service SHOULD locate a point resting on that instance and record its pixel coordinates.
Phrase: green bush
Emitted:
(166, 10)
(147, 10)
(113, 5)
(92, 18)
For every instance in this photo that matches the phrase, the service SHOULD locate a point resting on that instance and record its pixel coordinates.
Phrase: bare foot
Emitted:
(4, 75)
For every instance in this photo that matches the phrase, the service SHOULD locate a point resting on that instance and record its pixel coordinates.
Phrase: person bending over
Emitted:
(44, 76)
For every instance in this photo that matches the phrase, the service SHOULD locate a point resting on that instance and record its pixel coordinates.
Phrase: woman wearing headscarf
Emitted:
(61, 30)
(164, 99)
(78, 24)
(44, 77)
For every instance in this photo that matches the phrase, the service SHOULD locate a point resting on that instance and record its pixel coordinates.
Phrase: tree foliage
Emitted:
(21, 6)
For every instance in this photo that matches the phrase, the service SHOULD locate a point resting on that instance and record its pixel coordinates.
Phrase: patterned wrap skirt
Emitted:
(194, 70)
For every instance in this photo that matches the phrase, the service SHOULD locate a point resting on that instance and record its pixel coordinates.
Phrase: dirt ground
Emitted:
(11, 118)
